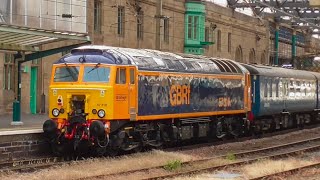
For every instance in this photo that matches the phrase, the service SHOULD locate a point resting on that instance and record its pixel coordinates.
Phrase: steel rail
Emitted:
(237, 155)
(290, 171)
(238, 163)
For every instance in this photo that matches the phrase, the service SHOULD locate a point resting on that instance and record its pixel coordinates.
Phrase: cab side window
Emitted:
(131, 76)
(121, 76)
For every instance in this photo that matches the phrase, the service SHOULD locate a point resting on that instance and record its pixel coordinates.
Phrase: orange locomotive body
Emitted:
(105, 99)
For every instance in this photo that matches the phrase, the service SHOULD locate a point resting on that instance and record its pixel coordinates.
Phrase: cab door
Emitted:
(132, 92)
(121, 94)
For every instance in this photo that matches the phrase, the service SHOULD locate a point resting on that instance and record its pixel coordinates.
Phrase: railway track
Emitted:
(308, 145)
(290, 171)
(30, 165)
(245, 138)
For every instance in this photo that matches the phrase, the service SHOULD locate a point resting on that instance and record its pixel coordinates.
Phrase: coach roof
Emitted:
(277, 71)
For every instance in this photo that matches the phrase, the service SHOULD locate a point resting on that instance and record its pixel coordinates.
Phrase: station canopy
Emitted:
(300, 14)
(20, 38)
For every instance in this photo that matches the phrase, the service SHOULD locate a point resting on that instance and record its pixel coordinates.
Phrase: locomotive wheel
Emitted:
(138, 149)
(220, 130)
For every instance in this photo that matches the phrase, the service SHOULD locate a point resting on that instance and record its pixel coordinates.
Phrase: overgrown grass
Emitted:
(231, 157)
(173, 165)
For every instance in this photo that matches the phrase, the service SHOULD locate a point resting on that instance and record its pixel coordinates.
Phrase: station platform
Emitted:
(30, 122)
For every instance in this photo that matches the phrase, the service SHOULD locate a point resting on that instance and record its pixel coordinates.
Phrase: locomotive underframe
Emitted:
(285, 120)
(135, 136)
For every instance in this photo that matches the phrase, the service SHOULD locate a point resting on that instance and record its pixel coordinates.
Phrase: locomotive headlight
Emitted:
(55, 112)
(101, 113)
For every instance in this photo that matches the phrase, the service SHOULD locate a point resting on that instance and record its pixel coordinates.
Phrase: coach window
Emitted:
(292, 89)
(277, 88)
(121, 76)
(271, 88)
(303, 89)
(298, 88)
(265, 88)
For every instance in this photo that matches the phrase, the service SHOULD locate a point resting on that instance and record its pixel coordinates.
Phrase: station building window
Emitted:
(121, 21)
(193, 27)
(219, 40)
(229, 42)
(8, 76)
(97, 16)
(166, 30)
(140, 25)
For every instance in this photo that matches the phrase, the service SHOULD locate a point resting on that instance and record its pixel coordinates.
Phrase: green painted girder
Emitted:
(41, 54)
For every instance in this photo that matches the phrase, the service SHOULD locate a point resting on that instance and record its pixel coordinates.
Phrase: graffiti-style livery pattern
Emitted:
(158, 95)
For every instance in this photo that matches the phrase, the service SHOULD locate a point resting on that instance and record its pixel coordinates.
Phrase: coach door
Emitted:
(132, 93)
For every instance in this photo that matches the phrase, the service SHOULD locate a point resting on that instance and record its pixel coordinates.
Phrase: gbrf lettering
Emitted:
(179, 95)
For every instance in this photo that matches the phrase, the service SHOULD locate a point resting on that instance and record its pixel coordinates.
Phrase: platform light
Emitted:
(101, 113)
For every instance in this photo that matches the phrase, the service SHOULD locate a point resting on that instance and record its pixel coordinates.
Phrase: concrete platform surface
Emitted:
(30, 121)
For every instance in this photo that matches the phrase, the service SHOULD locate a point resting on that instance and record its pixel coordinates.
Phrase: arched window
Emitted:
(239, 57)
(263, 58)
(219, 40)
(252, 56)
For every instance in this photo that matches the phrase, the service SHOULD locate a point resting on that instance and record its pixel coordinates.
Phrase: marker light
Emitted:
(101, 113)
(55, 112)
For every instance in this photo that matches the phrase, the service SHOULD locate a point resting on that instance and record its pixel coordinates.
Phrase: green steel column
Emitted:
(16, 115)
(276, 46)
(293, 47)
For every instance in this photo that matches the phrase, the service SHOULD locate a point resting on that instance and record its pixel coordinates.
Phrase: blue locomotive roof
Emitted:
(152, 60)
(277, 71)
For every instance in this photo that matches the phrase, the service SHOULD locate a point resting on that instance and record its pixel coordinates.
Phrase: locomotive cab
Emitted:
(83, 98)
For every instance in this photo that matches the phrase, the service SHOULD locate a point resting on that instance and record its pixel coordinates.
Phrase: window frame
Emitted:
(229, 42)
(219, 40)
(97, 16)
(193, 27)
(8, 73)
(121, 21)
(119, 76)
(140, 26)
(166, 28)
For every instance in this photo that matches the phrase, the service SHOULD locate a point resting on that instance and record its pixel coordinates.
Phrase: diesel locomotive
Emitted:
(107, 99)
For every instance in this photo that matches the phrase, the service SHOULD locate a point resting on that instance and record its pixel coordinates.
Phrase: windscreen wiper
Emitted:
(95, 67)
(70, 72)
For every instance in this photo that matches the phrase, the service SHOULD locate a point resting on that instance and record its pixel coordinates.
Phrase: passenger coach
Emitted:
(282, 98)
